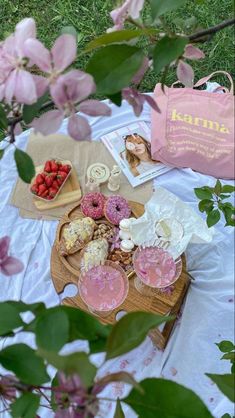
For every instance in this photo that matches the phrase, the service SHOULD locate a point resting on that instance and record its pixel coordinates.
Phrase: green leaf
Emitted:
(130, 331)
(84, 326)
(203, 193)
(31, 111)
(226, 416)
(218, 188)
(166, 399)
(98, 345)
(73, 363)
(24, 165)
(116, 98)
(213, 217)
(225, 346)
(233, 368)
(118, 410)
(24, 362)
(167, 50)
(206, 205)
(3, 118)
(114, 66)
(24, 307)
(118, 36)
(69, 30)
(225, 383)
(1, 153)
(9, 318)
(52, 330)
(224, 196)
(159, 7)
(228, 189)
(120, 377)
(229, 356)
(26, 406)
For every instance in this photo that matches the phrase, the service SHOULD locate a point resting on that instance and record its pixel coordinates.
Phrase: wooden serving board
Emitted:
(162, 303)
(70, 192)
(72, 262)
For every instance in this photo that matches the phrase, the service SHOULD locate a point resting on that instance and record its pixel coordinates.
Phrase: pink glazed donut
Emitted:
(92, 205)
(116, 208)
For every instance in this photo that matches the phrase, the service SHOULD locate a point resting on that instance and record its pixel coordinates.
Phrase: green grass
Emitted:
(91, 18)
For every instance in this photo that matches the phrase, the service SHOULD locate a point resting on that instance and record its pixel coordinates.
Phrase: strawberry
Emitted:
(39, 179)
(47, 166)
(66, 168)
(41, 189)
(48, 181)
(59, 181)
(34, 189)
(52, 191)
(45, 194)
(55, 184)
(62, 175)
(49, 197)
(54, 166)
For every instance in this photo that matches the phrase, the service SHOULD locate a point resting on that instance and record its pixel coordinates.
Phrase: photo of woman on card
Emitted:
(138, 154)
(130, 147)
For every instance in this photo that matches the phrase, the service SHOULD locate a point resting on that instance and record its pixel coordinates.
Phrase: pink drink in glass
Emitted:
(104, 288)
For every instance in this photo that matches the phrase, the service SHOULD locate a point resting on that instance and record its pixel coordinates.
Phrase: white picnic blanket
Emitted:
(207, 316)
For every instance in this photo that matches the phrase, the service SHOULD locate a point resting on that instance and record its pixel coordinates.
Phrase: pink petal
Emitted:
(140, 73)
(134, 98)
(58, 94)
(25, 88)
(10, 86)
(48, 123)
(4, 247)
(38, 54)
(72, 87)
(193, 53)
(185, 74)
(2, 91)
(11, 265)
(94, 108)
(135, 7)
(41, 84)
(119, 15)
(151, 102)
(24, 30)
(64, 51)
(18, 129)
(79, 128)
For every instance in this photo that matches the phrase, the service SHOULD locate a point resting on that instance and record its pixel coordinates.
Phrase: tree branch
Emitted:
(198, 35)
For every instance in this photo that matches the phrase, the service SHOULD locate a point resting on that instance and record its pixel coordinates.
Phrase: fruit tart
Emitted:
(76, 235)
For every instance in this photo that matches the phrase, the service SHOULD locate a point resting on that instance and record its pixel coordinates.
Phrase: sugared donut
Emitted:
(92, 205)
(116, 208)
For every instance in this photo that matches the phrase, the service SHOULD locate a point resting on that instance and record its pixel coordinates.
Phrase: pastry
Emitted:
(76, 235)
(94, 254)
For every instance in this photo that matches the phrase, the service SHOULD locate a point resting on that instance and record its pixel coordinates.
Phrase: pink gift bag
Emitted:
(195, 128)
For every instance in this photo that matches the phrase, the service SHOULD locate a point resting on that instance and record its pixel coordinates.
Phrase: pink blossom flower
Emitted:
(53, 62)
(137, 99)
(130, 8)
(71, 398)
(15, 81)
(8, 265)
(69, 90)
(7, 388)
